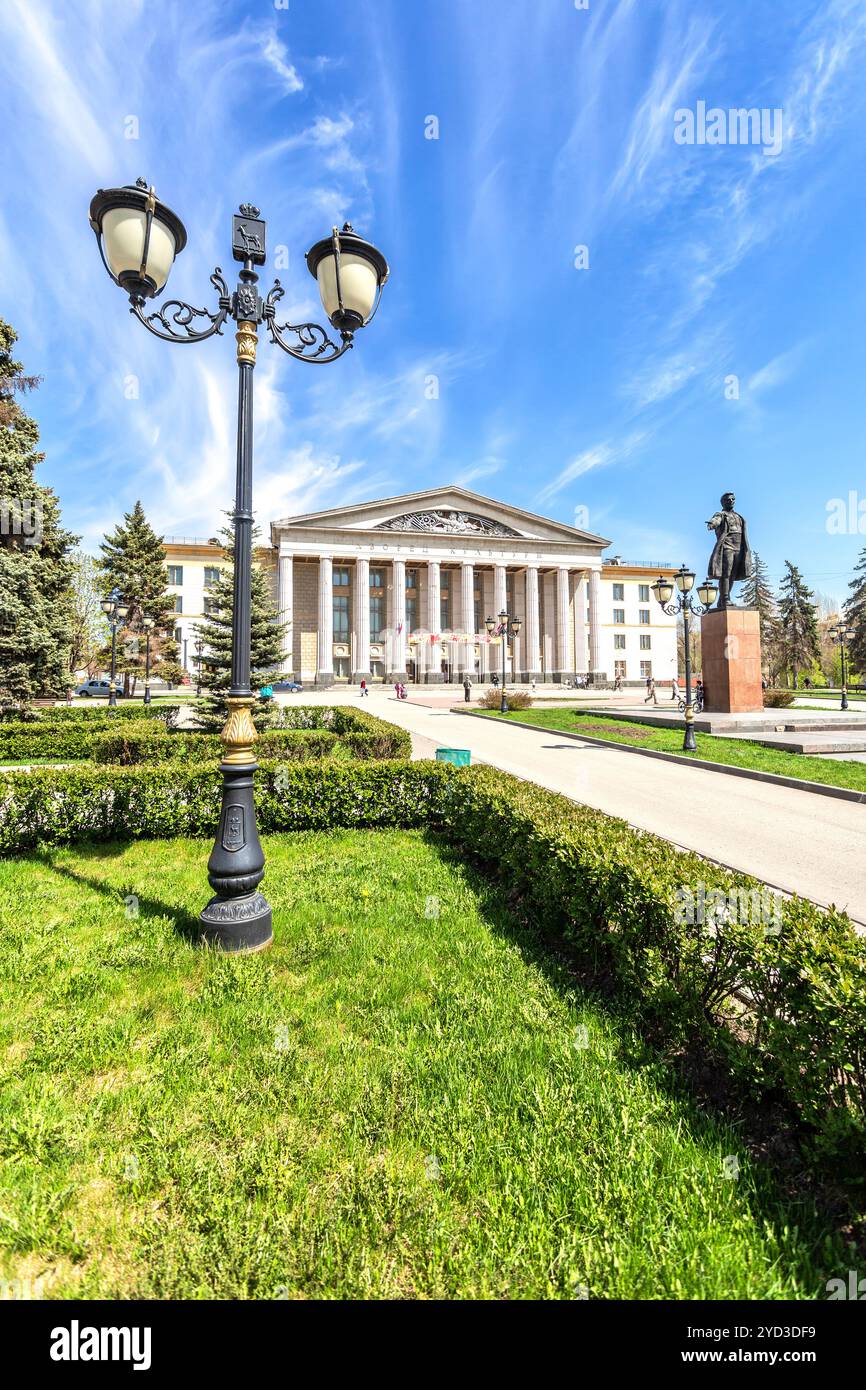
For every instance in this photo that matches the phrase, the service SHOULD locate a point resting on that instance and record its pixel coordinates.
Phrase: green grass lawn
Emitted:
(388, 1103)
(732, 751)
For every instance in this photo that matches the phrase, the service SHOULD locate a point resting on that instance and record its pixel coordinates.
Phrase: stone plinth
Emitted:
(731, 660)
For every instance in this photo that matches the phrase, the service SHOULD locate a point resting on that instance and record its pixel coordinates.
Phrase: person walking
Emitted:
(364, 690)
(675, 689)
(617, 683)
(467, 689)
(533, 685)
(651, 691)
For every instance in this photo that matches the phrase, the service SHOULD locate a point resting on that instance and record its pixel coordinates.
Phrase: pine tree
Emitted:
(35, 569)
(133, 560)
(855, 615)
(266, 643)
(799, 641)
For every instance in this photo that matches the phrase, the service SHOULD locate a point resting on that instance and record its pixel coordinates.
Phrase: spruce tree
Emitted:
(35, 569)
(757, 593)
(266, 639)
(133, 560)
(855, 616)
(799, 641)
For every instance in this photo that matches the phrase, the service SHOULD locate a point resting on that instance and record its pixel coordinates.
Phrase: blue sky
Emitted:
(559, 388)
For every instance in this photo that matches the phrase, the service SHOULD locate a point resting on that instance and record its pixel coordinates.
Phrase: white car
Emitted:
(94, 688)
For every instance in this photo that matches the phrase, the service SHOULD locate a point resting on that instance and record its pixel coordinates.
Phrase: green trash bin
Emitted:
(460, 757)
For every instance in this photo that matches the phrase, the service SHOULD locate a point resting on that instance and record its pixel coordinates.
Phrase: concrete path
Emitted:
(792, 840)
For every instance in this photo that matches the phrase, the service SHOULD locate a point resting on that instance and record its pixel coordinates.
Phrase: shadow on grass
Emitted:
(185, 923)
(787, 1192)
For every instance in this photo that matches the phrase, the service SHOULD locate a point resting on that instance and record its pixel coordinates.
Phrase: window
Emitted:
(643, 593)
(175, 574)
(211, 575)
(178, 634)
(377, 603)
(619, 669)
(643, 617)
(646, 668)
(619, 615)
(341, 617)
(341, 577)
(619, 641)
(445, 600)
(645, 642)
(178, 603)
(618, 593)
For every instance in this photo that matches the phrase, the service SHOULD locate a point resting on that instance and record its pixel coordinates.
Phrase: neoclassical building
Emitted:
(400, 588)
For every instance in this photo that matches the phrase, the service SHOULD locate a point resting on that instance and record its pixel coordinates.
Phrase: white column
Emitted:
(594, 620)
(533, 634)
(325, 674)
(562, 657)
(500, 590)
(467, 614)
(285, 581)
(362, 619)
(467, 619)
(434, 621)
(398, 641)
(580, 602)
(434, 597)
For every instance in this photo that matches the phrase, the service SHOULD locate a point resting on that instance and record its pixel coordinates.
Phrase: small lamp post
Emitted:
(138, 239)
(148, 625)
(503, 625)
(199, 648)
(707, 593)
(843, 634)
(115, 611)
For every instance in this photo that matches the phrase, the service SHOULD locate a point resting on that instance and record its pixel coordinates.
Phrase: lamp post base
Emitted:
(238, 926)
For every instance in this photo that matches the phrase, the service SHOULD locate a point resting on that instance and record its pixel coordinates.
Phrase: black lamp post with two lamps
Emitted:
(148, 625)
(139, 238)
(115, 611)
(503, 625)
(843, 634)
(707, 594)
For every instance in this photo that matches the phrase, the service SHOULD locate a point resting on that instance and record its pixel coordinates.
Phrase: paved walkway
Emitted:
(796, 841)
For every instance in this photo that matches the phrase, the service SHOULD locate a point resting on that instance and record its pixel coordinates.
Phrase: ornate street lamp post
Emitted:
(707, 593)
(843, 634)
(115, 611)
(503, 625)
(138, 238)
(148, 625)
(199, 648)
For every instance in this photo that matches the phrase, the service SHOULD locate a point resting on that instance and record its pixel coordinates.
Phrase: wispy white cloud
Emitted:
(601, 455)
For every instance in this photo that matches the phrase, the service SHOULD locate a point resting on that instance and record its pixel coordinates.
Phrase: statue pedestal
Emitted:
(731, 661)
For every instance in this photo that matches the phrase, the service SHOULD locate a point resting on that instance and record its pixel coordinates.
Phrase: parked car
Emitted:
(291, 686)
(94, 687)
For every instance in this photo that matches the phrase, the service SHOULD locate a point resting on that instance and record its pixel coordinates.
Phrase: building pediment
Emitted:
(445, 511)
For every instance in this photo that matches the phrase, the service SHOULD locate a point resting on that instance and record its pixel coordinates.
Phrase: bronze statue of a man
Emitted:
(731, 559)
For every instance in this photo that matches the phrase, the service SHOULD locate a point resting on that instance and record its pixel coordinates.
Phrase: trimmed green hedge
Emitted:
(130, 741)
(60, 806)
(781, 1000)
(165, 714)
